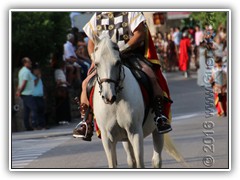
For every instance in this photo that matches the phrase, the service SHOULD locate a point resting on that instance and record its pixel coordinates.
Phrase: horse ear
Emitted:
(96, 39)
(114, 36)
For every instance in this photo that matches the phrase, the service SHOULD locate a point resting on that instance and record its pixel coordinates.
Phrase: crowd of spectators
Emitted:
(70, 64)
(177, 48)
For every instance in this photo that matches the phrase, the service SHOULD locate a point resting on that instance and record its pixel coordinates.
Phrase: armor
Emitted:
(107, 22)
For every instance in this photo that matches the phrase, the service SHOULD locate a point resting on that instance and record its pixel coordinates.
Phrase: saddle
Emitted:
(132, 62)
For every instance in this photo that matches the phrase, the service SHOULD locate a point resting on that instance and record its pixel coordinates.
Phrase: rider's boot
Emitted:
(161, 121)
(85, 128)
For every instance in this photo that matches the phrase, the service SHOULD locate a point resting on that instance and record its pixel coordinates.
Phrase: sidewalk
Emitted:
(59, 130)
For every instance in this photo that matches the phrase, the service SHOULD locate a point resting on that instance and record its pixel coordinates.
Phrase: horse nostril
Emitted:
(103, 97)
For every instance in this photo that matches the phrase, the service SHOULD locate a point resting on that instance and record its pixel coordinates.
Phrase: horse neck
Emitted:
(129, 79)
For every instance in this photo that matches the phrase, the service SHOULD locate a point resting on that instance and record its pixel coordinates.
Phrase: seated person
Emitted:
(83, 58)
(73, 68)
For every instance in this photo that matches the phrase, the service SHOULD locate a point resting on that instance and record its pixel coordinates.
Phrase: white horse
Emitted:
(119, 108)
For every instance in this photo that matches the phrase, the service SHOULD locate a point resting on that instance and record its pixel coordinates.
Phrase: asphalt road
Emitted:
(202, 141)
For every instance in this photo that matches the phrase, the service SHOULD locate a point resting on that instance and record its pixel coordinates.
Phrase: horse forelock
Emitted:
(108, 48)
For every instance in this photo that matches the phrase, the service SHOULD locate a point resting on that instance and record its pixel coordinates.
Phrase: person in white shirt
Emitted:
(25, 91)
(73, 68)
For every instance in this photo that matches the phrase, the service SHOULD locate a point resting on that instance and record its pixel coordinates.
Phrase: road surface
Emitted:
(203, 142)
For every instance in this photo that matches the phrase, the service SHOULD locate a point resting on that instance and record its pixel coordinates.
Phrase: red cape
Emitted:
(183, 54)
(151, 55)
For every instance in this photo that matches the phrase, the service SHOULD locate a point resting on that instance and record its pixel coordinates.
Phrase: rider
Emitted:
(132, 36)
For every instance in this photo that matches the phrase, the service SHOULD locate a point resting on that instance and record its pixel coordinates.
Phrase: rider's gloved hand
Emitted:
(124, 48)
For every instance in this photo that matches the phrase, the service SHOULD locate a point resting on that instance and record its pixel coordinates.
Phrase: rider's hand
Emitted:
(124, 49)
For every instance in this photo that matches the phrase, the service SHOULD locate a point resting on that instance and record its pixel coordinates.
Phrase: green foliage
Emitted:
(210, 18)
(38, 34)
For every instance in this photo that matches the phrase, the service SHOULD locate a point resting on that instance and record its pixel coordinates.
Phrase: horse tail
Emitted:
(171, 149)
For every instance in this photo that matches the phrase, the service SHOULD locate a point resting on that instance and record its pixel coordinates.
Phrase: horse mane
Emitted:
(105, 39)
(106, 44)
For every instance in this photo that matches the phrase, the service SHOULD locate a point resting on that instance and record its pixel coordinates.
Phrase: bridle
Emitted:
(117, 83)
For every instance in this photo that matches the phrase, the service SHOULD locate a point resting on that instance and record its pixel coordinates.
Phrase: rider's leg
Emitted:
(85, 128)
(161, 121)
(157, 90)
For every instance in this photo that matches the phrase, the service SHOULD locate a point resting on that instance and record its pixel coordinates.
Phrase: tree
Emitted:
(37, 34)
(211, 18)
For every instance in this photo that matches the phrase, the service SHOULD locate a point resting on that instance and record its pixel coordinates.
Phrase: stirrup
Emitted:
(163, 126)
(83, 122)
(161, 118)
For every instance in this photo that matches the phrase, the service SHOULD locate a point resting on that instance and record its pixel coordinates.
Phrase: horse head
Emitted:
(109, 68)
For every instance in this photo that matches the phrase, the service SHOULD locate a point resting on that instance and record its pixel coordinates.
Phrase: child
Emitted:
(219, 84)
(38, 96)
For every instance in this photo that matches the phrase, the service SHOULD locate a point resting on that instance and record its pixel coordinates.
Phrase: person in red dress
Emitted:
(184, 54)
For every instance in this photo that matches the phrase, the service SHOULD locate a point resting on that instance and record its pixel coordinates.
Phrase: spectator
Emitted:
(171, 54)
(212, 34)
(159, 44)
(184, 54)
(225, 52)
(223, 34)
(209, 35)
(171, 32)
(38, 97)
(219, 84)
(63, 112)
(75, 32)
(198, 35)
(73, 68)
(25, 91)
(202, 55)
(176, 38)
(198, 39)
(83, 58)
(191, 34)
(218, 47)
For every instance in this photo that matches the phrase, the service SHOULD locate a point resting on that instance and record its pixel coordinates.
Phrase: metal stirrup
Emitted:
(83, 122)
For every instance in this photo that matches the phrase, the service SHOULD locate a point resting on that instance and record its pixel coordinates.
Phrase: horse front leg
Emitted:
(158, 141)
(130, 154)
(110, 150)
(136, 140)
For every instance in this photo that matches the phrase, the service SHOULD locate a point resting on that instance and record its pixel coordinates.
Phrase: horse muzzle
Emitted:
(109, 100)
